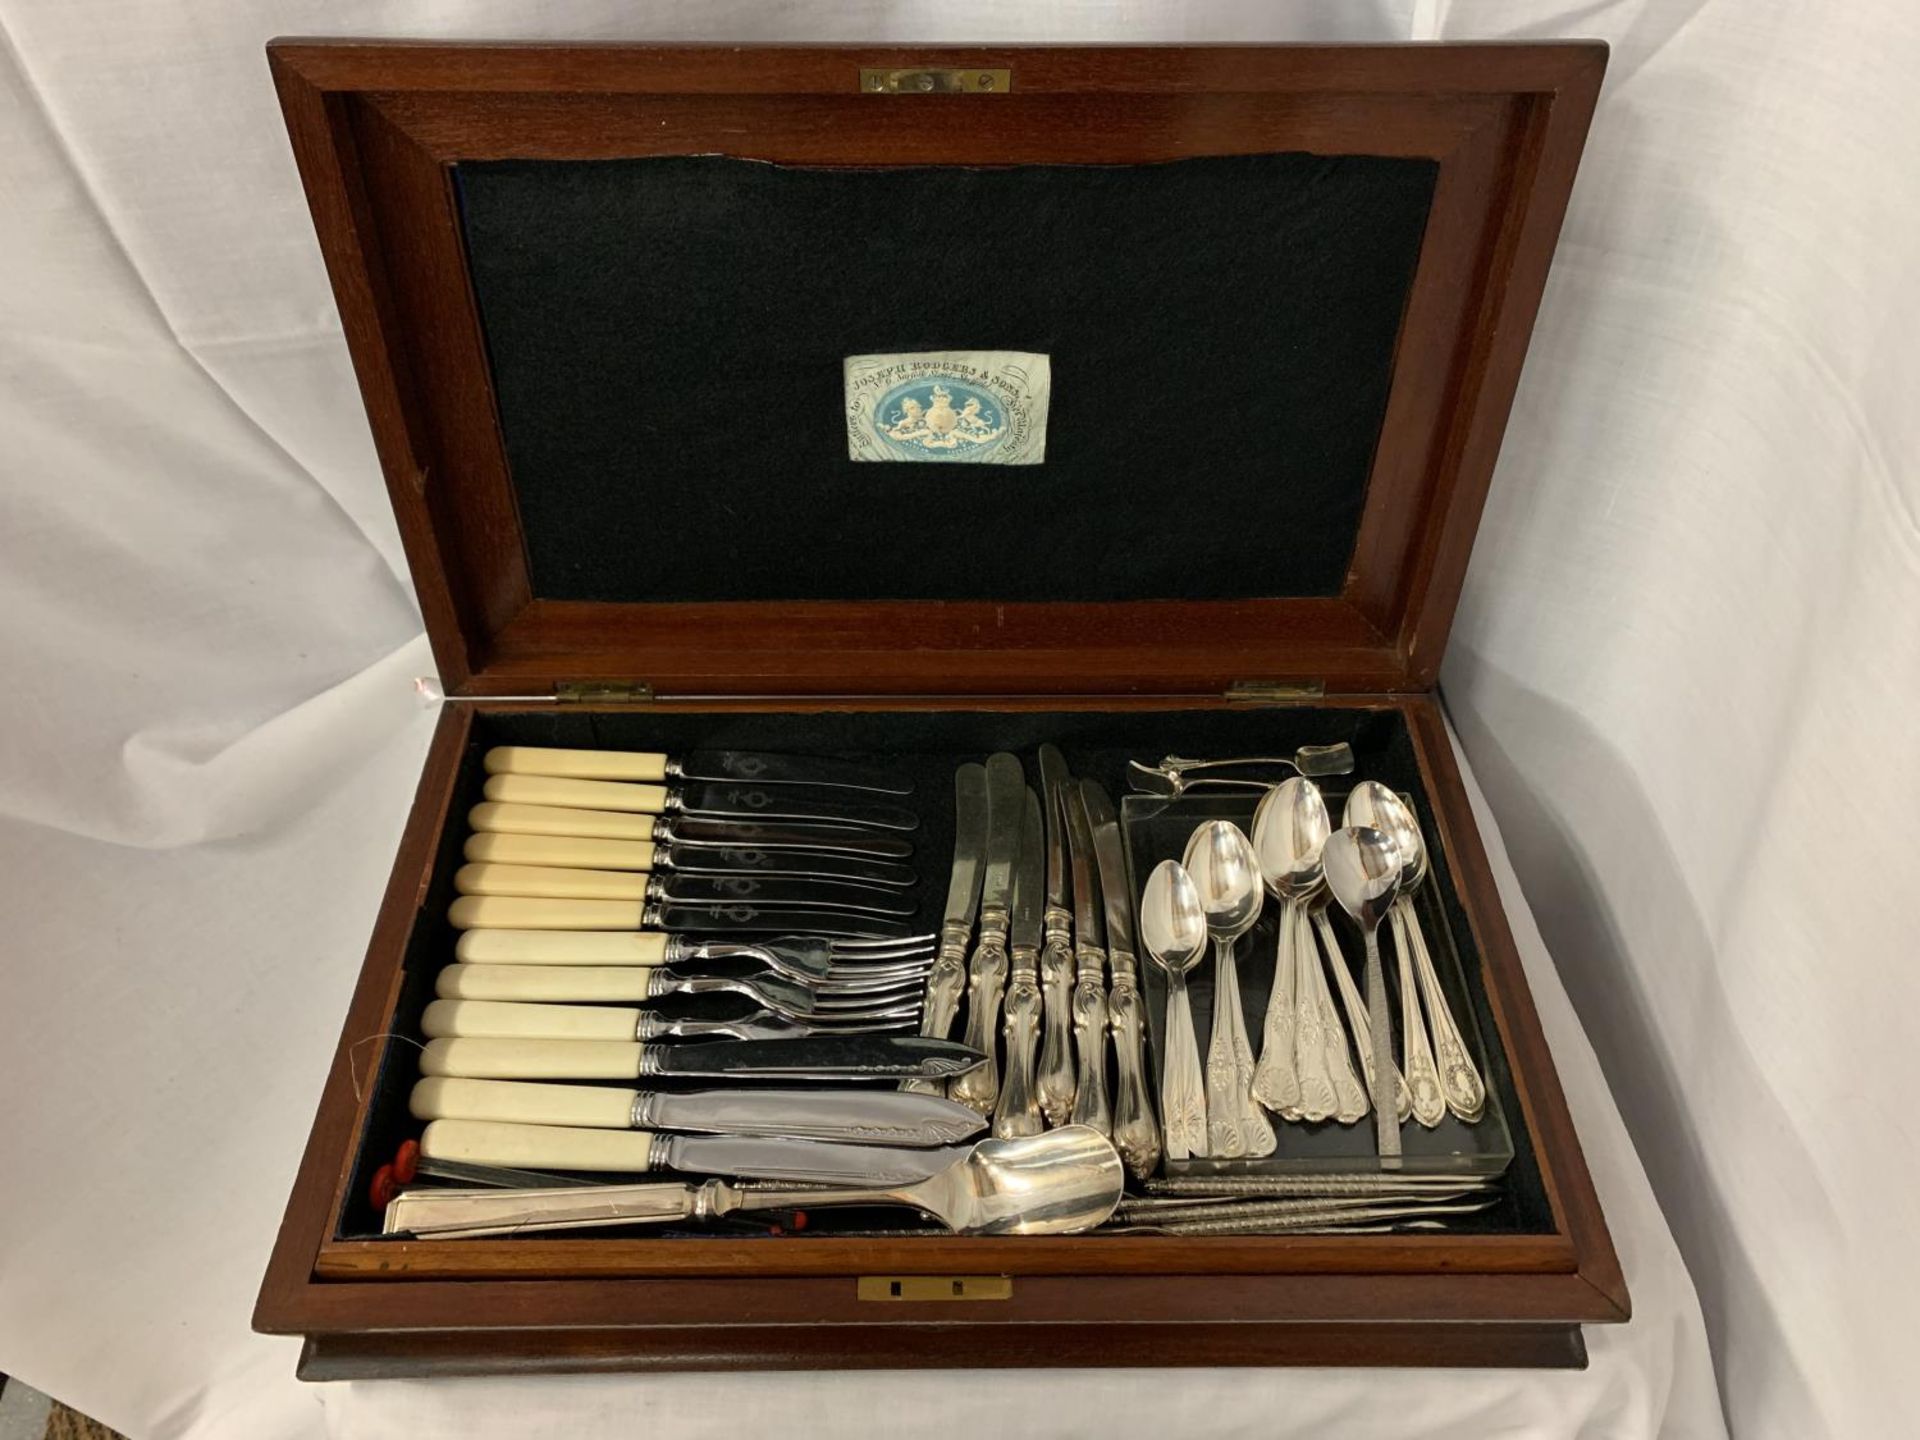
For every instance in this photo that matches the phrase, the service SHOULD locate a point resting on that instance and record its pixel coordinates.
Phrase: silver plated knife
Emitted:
(948, 975)
(750, 766)
(1017, 1112)
(699, 797)
(573, 852)
(818, 1057)
(635, 1152)
(851, 1116)
(987, 972)
(1136, 1132)
(1053, 1082)
(744, 888)
(682, 831)
(1090, 1105)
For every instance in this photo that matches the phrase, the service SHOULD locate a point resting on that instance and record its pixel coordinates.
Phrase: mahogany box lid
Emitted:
(601, 303)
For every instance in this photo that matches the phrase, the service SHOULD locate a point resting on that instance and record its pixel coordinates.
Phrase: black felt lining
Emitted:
(666, 338)
(928, 745)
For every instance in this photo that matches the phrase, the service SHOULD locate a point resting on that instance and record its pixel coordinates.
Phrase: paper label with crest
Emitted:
(981, 407)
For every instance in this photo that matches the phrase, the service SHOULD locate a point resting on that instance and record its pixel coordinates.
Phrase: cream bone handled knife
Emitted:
(530, 912)
(1136, 1132)
(578, 852)
(733, 766)
(839, 1057)
(552, 883)
(683, 832)
(987, 970)
(704, 798)
(635, 1152)
(848, 1115)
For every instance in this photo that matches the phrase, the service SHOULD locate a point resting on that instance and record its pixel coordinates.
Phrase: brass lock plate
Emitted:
(935, 1287)
(935, 82)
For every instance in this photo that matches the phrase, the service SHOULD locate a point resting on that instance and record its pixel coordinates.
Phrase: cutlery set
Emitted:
(741, 908)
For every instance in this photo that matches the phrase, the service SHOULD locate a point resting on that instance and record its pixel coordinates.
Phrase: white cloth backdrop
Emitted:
(1690, 633)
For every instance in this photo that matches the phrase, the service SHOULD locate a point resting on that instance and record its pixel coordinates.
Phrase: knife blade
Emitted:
(715, 800)
(522, 912)
(580, 853)
(492, 817)
(963, 900)
(747, 765)
(987, 972)
(1090, 962)
(1053, 1081)
(1017, 1112)
(854, 1117)
(749, 888)
(564, 1147)
(1136, 1133)
(814, 1057)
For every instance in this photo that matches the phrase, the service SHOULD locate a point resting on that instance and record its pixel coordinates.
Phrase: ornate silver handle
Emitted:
(1460, 1082)
(1135, 1135)
(1350, 1101)
(1183, 1104)
(1054, 1081)
(944, 982)
(980, 1086)
(1317, 1098)
(1276, 1083)
(1416, 1058)
(1090, 1040)
(1018, 1110)
(1357, 1020)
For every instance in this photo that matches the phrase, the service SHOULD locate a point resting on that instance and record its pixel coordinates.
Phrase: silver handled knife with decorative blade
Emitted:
(949, 972)
(851, 1116)
(987, 972)
(1136, 1132)
(492, 817)
(1053, 1083)
(747, 888)
(749, 766)
(1018, 1110)
(1090, 1106)
(714, 800)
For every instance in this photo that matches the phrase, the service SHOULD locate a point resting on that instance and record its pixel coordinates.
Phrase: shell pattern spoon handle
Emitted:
(1356, 1009)
(1423, 1077)
(1460, 1082)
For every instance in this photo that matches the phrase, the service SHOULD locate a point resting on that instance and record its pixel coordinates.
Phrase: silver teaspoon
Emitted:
(1363, 871)
(1173, 927)
(1221, 861)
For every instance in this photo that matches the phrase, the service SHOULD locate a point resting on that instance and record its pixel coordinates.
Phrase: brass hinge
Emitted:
(1274, 690)
(935, 82)
(603, 692)
(935, 1287)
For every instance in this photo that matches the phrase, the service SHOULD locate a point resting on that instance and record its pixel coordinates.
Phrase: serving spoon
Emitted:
(1363, 871)
(1457, 1084)
(1221, 861)
(1059, 1183)
(1173, 927)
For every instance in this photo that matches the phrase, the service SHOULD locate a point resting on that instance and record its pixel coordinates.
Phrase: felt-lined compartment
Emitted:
(929, 745)
(666, 337)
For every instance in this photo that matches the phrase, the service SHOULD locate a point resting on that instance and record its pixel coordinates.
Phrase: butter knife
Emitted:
(1053, 1082)
(948, 975)
(1017, 1112)
(1136, 1133)
(748, 766)
(1090, 1105)
(987, 972)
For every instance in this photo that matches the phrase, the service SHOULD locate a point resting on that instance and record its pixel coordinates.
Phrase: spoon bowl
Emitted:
(1054, 1183)
(1377, 807)
(1290, 831)
(1173, 926)
(1226, 876)
(1363, 871)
